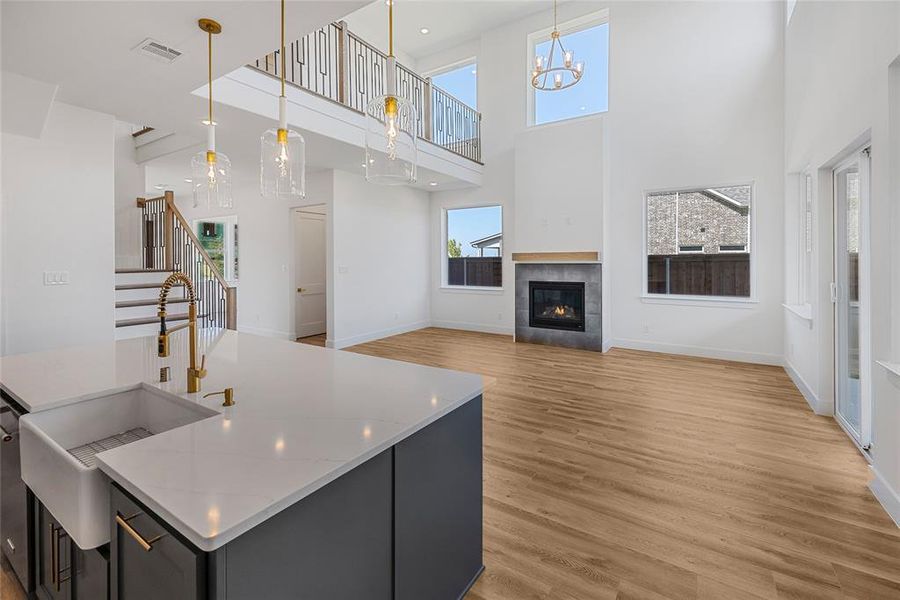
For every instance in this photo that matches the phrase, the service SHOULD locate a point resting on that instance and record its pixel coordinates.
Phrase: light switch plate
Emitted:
(56, 278)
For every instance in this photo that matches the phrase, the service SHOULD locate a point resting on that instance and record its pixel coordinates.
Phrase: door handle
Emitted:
(300, 290)
(147, 545)
(56, 570)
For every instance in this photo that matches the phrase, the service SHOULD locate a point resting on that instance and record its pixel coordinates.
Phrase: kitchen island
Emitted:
(333, 475)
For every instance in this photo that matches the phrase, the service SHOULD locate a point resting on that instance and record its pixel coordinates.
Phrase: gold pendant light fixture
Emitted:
(282, 164)
(549, 76)
(391, 152)
(211, 170)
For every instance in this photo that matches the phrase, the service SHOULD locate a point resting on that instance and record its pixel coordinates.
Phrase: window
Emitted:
(219, 237)
(474, 246)
(805, 238)
(589, 40)
(698, 242)
(460, 82)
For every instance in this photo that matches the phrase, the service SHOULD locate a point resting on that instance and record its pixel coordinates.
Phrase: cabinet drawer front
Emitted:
(148, 560)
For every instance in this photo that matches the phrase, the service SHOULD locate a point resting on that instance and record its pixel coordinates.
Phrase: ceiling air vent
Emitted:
(157, 50)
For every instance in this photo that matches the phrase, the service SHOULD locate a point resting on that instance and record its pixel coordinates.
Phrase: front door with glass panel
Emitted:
(851, 334)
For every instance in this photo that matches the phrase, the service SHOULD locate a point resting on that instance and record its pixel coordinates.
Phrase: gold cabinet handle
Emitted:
(147, 545)
(300, 290)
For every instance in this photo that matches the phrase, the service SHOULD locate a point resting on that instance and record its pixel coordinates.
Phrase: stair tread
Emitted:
(149, 302)
(143, 286)
(149, 320)
(145, 270)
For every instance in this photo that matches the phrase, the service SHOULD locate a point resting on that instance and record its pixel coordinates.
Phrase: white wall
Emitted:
(57, 215)
(378, 258)
(377, 255)
(837, 94)
(265, 247)
(685, 110)
(130, 184)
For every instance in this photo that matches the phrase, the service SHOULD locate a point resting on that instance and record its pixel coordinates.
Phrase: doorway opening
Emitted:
(310, 279)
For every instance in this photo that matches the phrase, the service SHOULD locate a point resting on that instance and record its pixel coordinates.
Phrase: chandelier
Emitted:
(549, 77)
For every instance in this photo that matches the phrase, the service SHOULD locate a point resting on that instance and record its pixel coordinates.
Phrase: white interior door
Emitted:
(309, 251)
(852, 375)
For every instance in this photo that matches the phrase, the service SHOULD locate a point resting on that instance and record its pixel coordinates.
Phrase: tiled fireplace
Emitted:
(559, 304)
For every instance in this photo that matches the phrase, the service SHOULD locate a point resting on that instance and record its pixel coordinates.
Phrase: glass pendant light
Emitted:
(282, 164)
(211, 170)
(391, 152)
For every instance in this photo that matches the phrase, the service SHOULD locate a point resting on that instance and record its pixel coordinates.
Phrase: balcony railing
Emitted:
(333, 63)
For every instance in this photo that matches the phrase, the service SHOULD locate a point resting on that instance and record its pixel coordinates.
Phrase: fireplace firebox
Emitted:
(556, 305)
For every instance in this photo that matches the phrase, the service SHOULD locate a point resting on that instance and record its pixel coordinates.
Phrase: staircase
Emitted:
(168, 245)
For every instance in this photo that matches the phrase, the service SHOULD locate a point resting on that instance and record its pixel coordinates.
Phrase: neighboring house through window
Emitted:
(698, 242)
(588, 38)
(473, 238)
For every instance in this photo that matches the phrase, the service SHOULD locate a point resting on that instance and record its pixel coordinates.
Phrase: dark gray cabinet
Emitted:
(63, 570)
(404, 525)
(54, 557)
(148, 560)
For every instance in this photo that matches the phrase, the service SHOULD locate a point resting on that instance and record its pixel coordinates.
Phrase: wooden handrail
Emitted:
(170, 206)
(163, 226)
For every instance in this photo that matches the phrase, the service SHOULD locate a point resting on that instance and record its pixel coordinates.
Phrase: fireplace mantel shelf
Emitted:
(589, 257)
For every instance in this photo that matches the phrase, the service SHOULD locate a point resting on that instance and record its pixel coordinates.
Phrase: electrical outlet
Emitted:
(56, 278)
(646, 328)
(499, 316)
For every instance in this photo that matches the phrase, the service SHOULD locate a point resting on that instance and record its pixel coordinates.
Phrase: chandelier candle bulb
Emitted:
(569, 56)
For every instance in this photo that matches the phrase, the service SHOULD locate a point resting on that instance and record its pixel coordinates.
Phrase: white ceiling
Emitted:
(449, 22)
(85, 48)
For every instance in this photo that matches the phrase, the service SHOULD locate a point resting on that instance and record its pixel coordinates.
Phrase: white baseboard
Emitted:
(374, 335)
(815, 404)
(479, 327)
(606, 345)
(701, 351)
(272, 333)
(886, 495)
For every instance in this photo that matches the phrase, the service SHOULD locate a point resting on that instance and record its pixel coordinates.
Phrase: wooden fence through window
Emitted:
(724, 274)
(482, 271)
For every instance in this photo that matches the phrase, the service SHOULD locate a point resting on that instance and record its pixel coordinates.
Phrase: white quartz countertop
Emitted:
(303, 417)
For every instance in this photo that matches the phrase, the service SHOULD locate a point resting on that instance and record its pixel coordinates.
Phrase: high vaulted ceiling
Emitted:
(449, 22)
(86, 48)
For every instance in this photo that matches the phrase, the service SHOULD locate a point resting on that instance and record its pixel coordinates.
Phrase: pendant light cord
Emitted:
(390, 27)
(209, 71)
(282, 49)
(554, 16)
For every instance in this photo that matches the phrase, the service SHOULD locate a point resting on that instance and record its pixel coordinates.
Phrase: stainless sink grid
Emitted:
(87, 452)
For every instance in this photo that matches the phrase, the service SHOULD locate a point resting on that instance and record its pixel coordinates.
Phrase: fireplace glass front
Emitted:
(556, 305)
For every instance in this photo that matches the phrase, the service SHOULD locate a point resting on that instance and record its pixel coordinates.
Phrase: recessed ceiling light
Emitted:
(432, 183)
(188, 180)
(424, 31)
(159, 186)
(583, 108)
(474, 71)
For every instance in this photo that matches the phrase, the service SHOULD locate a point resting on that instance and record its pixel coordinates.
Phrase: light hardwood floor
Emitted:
(632, 475)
